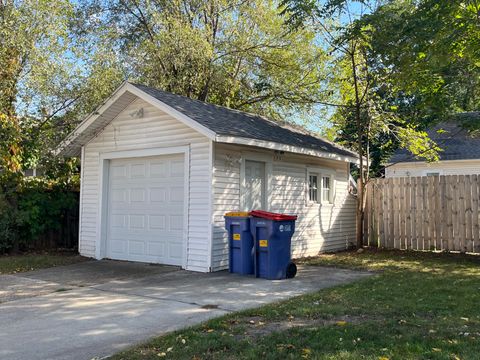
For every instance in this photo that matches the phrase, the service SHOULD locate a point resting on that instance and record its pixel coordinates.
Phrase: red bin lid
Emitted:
(272, 216)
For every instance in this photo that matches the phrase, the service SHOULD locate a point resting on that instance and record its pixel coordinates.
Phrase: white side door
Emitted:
(255, 185)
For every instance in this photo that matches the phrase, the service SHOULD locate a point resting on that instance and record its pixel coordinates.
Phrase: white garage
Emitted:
(158, 172)
(145, 218)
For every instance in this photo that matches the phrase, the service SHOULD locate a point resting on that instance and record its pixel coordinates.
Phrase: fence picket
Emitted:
(408, 213)
(391, 215)
(475, 213)
(443, 213)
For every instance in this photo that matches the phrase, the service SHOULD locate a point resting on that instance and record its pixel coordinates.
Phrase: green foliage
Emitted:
(31, 206)
(34, 41)
(10, 138)
(50, 77)
(237, 54)
(430, 51)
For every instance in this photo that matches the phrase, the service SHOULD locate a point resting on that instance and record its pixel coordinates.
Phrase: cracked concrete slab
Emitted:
(96, 308)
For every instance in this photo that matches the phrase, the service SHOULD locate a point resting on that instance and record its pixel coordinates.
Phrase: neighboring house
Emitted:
(460, 155)
(160, 170)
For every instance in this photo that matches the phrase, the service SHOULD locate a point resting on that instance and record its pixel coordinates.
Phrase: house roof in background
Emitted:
(218, 123)
(457, 143)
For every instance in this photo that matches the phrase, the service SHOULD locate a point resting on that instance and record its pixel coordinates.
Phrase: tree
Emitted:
(232, 53)
(430, 51)
(360, 86)
(48, 79)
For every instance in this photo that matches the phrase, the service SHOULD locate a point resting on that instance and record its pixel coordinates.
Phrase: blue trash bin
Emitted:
(240, 243)
(272, 235)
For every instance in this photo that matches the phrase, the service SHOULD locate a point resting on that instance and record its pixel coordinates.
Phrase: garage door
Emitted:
(146, 209)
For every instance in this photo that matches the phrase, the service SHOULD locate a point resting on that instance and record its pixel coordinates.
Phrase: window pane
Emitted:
(326, 188)
(312, 188)
(326, 182)
(326, 194)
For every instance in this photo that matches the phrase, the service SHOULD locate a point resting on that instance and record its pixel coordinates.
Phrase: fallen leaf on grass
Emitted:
(306, 353)
(341, 323)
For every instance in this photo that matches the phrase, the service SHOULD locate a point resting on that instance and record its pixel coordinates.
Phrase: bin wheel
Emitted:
(291, 270)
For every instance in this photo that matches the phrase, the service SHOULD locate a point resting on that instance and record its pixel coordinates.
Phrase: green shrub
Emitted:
(29, 207)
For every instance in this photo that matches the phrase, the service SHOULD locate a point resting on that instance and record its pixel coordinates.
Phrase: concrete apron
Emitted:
(102, 307)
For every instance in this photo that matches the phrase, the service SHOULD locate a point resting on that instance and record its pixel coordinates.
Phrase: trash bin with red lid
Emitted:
(272, 234)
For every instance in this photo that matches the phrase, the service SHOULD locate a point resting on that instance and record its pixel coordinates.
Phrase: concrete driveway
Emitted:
(96, 308)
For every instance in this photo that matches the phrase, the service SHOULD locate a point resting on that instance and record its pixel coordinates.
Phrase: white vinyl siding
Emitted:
(320, 227)
(447, 167)
(134, 130)
(226, 197)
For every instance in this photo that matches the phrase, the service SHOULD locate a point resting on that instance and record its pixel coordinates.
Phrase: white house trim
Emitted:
(211, 159)
(80, 210)
(104, 161)
(284, 147)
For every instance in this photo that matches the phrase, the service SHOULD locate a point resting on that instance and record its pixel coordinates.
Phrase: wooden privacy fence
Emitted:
(424, 213)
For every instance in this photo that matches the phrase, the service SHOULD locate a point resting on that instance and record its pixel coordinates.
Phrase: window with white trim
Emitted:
(313, 187)
(320, 187)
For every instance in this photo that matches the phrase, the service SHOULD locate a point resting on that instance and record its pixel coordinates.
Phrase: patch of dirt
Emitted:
(256, 326)
(210, 306)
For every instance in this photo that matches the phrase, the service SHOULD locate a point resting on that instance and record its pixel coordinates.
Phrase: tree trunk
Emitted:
(360, 135)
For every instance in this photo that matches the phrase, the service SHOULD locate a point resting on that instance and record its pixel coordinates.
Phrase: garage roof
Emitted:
(219, 123)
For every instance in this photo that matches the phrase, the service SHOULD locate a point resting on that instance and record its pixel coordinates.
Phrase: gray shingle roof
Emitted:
(229, 122)
(456, 142)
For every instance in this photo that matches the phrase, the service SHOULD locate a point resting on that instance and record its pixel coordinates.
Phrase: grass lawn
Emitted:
(11, 264)
(418, 306)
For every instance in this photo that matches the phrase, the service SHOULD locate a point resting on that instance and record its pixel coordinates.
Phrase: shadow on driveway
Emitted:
(96, 308)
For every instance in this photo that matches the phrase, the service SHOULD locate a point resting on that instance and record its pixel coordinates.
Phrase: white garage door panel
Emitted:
(145, 209)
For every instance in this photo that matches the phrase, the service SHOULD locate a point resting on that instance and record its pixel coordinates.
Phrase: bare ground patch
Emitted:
(257, 326)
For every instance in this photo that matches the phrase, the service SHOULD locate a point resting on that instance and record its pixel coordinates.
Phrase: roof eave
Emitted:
(64, 148)
(285, 147)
